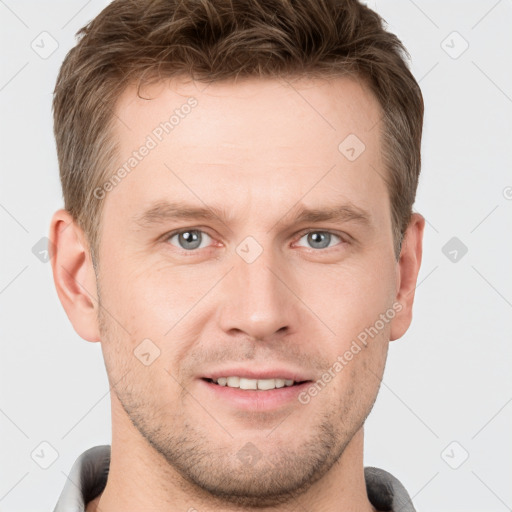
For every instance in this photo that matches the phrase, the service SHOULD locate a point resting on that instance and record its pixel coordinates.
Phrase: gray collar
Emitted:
(88, 477)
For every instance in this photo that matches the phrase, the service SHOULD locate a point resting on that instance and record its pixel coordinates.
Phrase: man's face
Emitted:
(247, 292)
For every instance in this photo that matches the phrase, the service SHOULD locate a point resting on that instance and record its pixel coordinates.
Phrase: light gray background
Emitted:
(447, 380)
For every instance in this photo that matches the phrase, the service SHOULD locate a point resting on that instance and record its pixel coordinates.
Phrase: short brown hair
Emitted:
(134, 41)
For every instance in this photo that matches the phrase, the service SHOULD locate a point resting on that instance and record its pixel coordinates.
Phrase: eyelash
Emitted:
(300, 235)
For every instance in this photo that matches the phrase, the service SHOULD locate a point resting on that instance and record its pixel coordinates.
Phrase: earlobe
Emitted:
(407, 275)
(73, 274)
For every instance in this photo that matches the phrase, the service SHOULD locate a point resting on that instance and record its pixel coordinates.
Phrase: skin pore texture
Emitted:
(256, 152)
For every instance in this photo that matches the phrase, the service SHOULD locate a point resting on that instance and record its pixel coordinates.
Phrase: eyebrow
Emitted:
(163, 211)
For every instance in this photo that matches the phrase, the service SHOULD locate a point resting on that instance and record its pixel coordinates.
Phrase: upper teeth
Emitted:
(243, 383)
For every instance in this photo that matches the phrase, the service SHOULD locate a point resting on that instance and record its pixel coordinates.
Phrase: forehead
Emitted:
(251, 139)
(251, 110)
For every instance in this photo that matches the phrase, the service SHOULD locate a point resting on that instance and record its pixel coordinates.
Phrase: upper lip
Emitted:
(262, 373)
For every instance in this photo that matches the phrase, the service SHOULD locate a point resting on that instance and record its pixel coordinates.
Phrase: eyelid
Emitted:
(170, 234)
(321, 230)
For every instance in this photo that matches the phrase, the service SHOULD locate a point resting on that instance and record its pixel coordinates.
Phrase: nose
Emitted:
(258, 298)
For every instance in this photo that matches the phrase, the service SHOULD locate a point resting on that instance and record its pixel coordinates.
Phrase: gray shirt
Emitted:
(88, 478)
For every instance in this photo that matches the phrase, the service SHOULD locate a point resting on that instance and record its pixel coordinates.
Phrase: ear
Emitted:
(73, 274)
(407, 275)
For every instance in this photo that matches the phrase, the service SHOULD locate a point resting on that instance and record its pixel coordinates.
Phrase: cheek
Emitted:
(358, 382)
(139, 370)
(351, 298)
(146, 300)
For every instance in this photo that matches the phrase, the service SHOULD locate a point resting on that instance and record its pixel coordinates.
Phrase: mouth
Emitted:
(254, 384)
(248, 395)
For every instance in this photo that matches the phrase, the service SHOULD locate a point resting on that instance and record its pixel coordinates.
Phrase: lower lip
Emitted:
(253, 399)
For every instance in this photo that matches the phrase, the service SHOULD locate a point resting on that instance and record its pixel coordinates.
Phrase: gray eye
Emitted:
(319, 239)
(190, 239)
